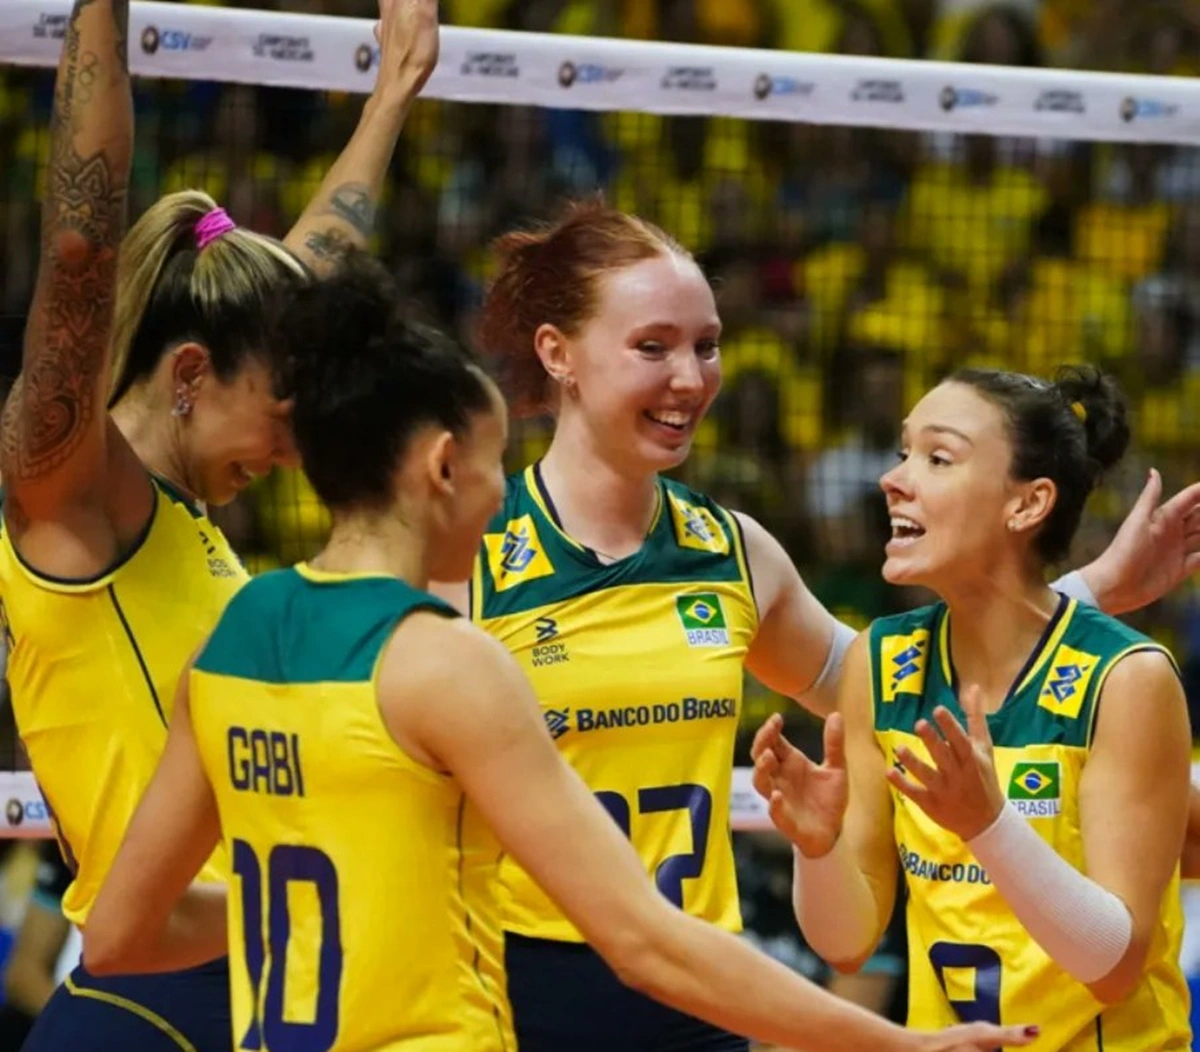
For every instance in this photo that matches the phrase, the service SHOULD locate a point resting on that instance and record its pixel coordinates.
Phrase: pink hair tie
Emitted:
(212, 227)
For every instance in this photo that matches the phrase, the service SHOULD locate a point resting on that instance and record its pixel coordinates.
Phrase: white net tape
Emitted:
(338, 54)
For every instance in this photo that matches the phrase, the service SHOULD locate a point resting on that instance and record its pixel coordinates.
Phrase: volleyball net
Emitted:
(869, 223)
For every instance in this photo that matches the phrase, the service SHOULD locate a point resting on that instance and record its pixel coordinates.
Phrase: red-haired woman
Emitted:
(636, 604)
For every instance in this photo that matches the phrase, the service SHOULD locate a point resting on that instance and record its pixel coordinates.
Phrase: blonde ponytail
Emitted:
(169, 289)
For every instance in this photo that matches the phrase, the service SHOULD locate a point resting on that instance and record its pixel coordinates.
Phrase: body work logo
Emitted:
(1035, 789)
(703, 619)
(547, 650)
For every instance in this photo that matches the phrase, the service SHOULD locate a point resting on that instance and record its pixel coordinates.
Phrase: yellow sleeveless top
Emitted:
(638, 666)
(969, 957)
(363, 913)
(93, 666)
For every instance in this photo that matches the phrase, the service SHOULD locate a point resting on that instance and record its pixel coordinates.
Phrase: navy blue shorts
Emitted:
(565, 997)
(173, 1012)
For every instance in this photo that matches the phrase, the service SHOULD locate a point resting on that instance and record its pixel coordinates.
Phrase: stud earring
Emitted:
(183, 404)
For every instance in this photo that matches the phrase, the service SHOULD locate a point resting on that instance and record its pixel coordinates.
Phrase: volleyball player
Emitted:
(110, 572)
(367, 755)
(1041, 843)
(635, 604)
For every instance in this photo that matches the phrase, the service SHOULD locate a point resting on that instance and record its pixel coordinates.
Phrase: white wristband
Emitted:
(1073, 586)
(1085, 928)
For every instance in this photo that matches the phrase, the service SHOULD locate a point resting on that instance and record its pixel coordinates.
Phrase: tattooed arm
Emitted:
(52, 439)
(342, 215)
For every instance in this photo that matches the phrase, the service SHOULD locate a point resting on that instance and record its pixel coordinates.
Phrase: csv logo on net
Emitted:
(18, 811)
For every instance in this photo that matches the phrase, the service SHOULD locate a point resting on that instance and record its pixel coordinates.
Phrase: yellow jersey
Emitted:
(93, 666)
(969, 957)
(363, 913)
(638, 666)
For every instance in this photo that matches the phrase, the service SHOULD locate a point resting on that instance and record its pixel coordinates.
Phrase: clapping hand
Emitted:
(807, 801)
(959, 789)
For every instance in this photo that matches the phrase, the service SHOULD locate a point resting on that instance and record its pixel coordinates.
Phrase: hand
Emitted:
(977, 1037)
(1155, 549)
(807, 801)
(960, 792)
(407, 32)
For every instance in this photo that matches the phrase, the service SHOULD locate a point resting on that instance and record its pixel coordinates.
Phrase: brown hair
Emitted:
(1070, 431)
(548, 275)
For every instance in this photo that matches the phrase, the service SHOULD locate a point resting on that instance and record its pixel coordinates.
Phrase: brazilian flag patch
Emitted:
(1035, 788)
(703, 619)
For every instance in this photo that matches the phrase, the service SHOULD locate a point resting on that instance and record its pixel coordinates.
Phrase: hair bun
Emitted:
(1095, 399)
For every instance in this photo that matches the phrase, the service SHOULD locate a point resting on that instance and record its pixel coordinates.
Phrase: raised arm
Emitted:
(52, 440)
(342, 215)
(1154, 551)
(149, 917)
(487, 730)
(799, 646)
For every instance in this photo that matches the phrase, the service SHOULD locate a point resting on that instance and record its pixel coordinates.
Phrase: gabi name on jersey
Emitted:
(262, 761)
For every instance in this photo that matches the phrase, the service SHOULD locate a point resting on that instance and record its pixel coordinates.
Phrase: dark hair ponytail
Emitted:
(364, 378)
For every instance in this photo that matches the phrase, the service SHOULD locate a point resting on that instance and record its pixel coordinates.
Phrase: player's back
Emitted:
(363, 912)
(970, 958)
(93, 667)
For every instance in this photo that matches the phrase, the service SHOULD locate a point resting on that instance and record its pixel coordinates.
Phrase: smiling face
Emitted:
(951, 497)
(235, 431)
(643, 371)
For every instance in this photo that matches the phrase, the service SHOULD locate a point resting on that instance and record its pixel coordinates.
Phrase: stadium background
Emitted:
(854, 266)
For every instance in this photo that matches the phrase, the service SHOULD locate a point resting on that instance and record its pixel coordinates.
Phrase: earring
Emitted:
(1012, 525)
(183, 404)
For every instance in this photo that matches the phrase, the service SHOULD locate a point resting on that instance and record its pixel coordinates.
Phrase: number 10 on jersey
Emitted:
(288, 864)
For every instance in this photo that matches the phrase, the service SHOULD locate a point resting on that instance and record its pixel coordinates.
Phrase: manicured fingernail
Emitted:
(1032, 1031)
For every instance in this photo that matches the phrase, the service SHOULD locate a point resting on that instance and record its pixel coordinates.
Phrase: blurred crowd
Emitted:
(854, 266)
